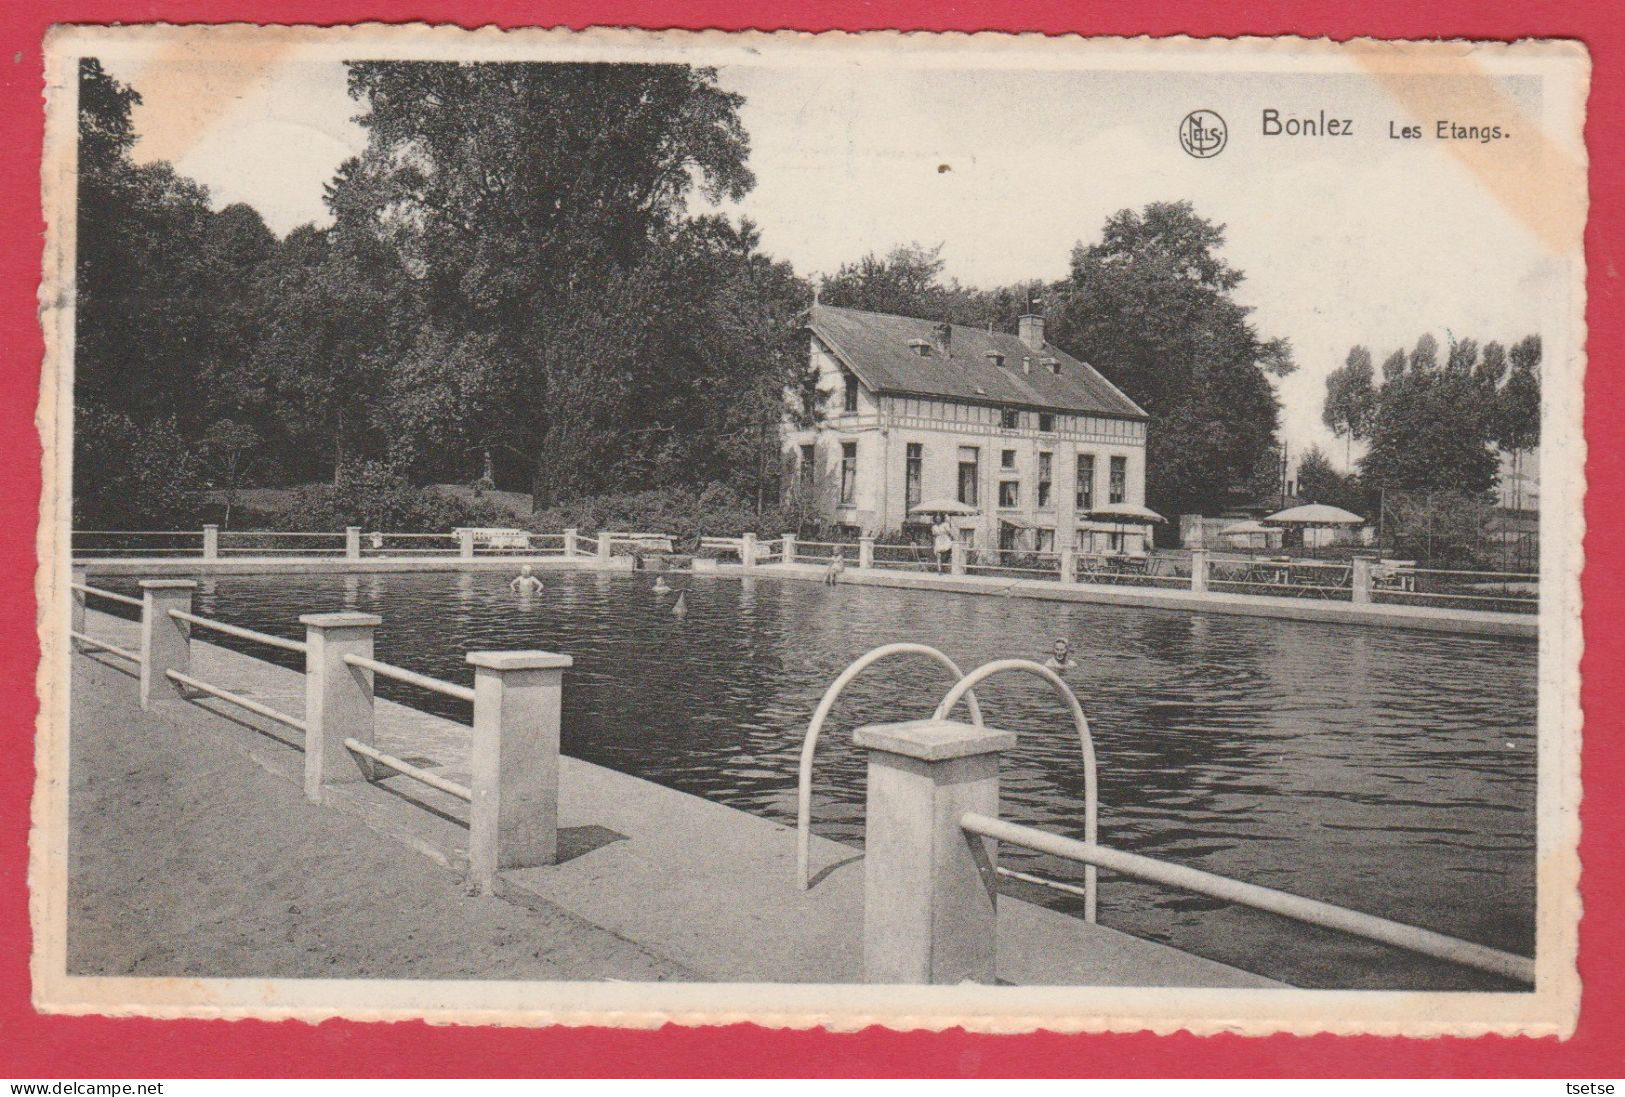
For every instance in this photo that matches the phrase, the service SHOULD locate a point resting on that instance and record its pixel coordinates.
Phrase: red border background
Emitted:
(32, 1045)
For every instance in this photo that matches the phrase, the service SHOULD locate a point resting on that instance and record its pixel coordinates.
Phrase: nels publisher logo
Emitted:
(1202, 133)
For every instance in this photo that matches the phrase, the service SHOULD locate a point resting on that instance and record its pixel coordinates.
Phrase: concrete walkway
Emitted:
(187, 859)
(688, 887)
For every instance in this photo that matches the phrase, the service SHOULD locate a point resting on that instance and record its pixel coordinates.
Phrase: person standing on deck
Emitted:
(942, 541)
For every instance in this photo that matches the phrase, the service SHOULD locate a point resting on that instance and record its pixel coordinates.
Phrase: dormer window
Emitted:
(995, 358)
(922, 347)
(1052, 364)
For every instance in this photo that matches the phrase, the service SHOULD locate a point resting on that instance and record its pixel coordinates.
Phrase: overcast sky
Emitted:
(1343, 240)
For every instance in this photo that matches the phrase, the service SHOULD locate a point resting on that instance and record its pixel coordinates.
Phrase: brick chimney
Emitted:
(1030, 329)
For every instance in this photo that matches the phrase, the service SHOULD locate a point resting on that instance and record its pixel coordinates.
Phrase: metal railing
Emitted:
(950, 934)
(1495, 590)
(90, 643)
(1091, 779)
(416, 544)
(815, 726)
(1425, 942)
(907, 558)
(407, 769)
(237, 699)
(1360, 580)
(137, 542)
(187, 680)
(513, 798)
(238, 631)
(411, 677)
(1015, 562)
(822, 552)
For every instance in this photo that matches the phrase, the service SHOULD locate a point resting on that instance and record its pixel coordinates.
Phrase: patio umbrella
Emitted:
(943, 505)
(1126, 514)
(1314, 516)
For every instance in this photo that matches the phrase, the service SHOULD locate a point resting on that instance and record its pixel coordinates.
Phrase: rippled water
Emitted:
(1389, 771)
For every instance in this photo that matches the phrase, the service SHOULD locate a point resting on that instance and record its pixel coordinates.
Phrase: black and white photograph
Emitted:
(634, 527)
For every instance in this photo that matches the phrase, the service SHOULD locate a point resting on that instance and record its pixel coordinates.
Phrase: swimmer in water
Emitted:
(680, 607)
(661, 586)
(525, 582)
(1061, 656)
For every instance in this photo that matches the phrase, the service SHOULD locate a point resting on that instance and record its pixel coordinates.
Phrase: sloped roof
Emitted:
(875, 346)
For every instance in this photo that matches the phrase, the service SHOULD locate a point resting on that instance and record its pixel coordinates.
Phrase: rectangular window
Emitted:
(1007, 459)
(969, 475)
(1046, 540)
(1009, 419)
(1046, 473)
(849, 392)
(809, 466)
(1009, 493)
(1046, 422)
(849, 473)
(1086, 482)
(1119, 479)
(1007, 537)
(913, 470)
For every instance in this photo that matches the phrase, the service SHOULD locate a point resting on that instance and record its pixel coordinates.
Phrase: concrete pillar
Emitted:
(338, 698)
(1069, 565)
(1198, 570)
(866, 553)
(788, 556)
(956, 559)
(930, 895)
(747, 549)
(76, 618)
(606, 545)
(514, 818)
(1360, 579)
(211, 541)
(352, 542)
(465, 544)
(570, 547)
(166, 644)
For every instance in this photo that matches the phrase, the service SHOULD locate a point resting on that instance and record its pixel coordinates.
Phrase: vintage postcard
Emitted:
(618, 527)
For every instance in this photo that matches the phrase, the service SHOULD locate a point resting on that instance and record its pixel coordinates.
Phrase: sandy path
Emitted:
(187, 859)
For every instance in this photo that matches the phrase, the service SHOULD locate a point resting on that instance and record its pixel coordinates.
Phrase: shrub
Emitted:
(684, 512)
(375, 496)
(128, 475)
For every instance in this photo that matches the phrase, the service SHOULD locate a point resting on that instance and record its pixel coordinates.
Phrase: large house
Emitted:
(1033, 439)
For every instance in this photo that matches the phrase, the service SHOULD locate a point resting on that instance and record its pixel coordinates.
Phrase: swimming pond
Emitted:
(1389, 771)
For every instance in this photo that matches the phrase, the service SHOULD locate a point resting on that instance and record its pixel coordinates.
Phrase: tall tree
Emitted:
(909, 281)
(1319, 482)
(1152, 306)
(1432, 427)
(145, 289)
(527, 199)
(1517, 409)
(1350, 400)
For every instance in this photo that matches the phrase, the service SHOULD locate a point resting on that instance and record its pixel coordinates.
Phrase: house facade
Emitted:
(914, 411)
